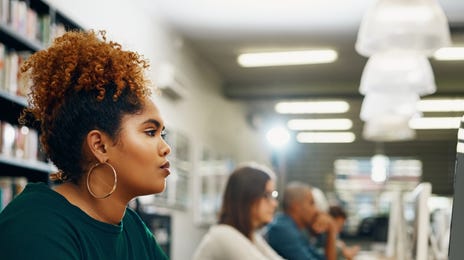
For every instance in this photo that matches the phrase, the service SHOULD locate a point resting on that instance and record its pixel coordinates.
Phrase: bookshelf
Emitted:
(26, 26)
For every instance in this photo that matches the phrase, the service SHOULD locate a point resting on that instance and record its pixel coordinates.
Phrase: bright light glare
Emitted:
(320, 124)
(449, 53)
(312, 107)
(278, 136)
(379, 164)
(441, 105)
(435, 123)
(264, 59)
(325, 137)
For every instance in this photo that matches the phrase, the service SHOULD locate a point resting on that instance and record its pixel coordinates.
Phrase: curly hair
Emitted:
(80, 83)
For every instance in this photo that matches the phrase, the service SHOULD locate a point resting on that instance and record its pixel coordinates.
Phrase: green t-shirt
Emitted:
(41, 224)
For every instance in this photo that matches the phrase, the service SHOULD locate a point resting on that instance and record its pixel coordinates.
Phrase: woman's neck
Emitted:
(109, 210)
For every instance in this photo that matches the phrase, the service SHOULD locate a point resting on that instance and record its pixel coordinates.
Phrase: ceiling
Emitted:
(219, 30)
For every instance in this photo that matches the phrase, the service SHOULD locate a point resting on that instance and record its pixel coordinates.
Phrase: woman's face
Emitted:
(139, 156)
(263, 209)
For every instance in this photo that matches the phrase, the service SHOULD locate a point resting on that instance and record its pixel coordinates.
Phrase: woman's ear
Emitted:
(97, 142)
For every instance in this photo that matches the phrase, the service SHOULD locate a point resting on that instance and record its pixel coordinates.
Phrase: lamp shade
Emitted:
(388, 128)
(395, 104)
(416, 25)
(398, 71)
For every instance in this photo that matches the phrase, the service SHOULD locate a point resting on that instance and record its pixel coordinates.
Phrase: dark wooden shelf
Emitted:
(17, 41)
(34, 171)
(11, 107)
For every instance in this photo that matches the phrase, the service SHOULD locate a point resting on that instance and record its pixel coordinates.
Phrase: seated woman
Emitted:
(249, 203)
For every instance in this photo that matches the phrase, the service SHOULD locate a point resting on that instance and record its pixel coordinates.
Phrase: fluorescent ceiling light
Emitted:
(312, 107)
(324, 137)
(435, 123)
(441, 105)
(264, 59)
(320, 124)
(449, 53)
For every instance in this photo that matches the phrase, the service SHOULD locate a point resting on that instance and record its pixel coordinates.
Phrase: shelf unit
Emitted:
(50, 22)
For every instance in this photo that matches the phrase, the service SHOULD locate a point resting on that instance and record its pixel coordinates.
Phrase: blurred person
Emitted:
(249, 203)
(343, 251)
(287, 233)
(105, 135)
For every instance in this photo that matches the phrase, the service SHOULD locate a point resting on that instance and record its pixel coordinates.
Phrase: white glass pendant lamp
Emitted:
(376, 105)
(415, 25)
(388, 128)
(398, 71)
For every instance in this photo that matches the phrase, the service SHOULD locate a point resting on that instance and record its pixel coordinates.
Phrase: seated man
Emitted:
(287, 233)
(339, 216)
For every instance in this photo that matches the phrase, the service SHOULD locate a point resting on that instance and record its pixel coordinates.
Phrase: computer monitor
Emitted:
(395, 247)
(409, 224)
(417, 215)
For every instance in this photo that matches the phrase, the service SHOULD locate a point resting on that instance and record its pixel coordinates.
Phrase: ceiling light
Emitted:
(379, 168)
(312, 107)
(415, 25)
(449, 53)
(264, 59)
(388, 128)
(377, 105)
(320, 124)
(324, 137)
(398, 72)
(441, 105)
(278, 136)
(435, 123)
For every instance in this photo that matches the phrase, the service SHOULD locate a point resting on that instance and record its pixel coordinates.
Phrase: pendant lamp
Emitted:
(398, 72)
(388, 128)
(403, 105)
(415, 25)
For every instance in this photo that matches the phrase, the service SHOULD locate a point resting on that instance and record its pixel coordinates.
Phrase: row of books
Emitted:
(11, 80)
(19, 142)
(10, 187)
(24, 20)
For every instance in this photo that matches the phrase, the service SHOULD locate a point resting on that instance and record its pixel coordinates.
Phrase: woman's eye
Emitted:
(164, 133)
(151, 132)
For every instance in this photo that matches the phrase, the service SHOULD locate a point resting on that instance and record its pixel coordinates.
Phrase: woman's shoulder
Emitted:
(223, 230)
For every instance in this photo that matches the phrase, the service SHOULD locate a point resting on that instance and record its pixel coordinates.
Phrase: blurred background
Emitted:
(222, 108)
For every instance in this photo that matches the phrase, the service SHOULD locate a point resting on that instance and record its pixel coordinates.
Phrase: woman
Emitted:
(100, 128)
(248, 204)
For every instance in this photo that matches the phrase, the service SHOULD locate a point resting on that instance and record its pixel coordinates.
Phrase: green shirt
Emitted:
(41, 224)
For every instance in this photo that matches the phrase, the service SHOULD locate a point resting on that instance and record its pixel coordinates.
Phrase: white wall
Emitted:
(203, 115)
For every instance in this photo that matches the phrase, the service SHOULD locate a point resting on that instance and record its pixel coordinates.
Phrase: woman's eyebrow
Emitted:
(153, 121)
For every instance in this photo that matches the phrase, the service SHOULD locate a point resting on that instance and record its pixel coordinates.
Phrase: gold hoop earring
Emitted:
(114, 184)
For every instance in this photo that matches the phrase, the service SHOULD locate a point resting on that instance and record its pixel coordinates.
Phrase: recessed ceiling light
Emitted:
(312, 107)
(286, 58)
(320, 124)
(325, 137)
(441, 105)
(435, 123)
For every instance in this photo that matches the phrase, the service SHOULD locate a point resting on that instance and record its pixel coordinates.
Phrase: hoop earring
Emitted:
(114, 184)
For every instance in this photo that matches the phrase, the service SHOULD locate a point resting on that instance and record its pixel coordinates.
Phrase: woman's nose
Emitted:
(165, 148)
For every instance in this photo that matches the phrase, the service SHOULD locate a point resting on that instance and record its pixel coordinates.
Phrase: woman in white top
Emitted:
(249, 203)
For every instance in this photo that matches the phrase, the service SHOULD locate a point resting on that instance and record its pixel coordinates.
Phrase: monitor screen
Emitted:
(417, 219)
(409, 225)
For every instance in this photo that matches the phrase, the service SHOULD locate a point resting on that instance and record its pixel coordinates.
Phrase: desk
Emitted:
(371, 255)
